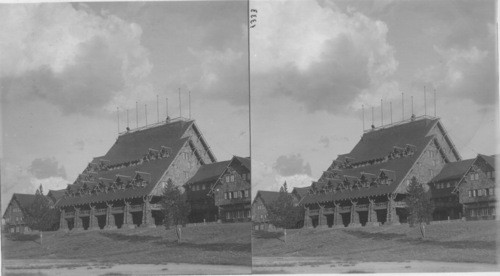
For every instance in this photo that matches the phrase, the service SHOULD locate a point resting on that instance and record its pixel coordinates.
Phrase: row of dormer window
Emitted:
(482, 192)
(445, 185)
(475, 176)
(199, 187)
(237, 194)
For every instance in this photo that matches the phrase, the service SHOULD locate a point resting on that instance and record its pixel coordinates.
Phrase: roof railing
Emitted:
(400, 123)
(172, 120)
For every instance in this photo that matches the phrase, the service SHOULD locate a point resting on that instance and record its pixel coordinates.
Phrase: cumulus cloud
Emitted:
(223, 75)
(71, 57)
(324, 141)
(46, 168)
(324, 59)
(464, 73)
(291, 165)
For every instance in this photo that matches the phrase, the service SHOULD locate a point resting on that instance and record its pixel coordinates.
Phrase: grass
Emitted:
(473, 241)
(224, 244)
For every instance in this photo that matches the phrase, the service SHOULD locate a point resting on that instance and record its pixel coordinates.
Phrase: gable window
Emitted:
(227, 178)
(232, 178)
(476, 176)
(471, 176)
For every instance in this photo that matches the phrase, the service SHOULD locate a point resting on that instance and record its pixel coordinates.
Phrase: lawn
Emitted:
(473, 241)
(226, 244)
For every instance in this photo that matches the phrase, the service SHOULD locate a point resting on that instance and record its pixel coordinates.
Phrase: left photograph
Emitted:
(125, 144)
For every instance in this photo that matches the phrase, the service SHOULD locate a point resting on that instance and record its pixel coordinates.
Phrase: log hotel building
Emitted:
(123, 188)
(220, 191)
(368, 185)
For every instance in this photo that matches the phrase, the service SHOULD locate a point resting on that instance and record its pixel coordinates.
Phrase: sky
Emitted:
(65, 68)
(315, 64)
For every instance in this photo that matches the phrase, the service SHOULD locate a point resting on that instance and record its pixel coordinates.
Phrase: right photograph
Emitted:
(374, 132)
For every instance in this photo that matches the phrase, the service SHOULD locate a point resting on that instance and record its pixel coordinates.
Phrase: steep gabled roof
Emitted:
(23, 200)
(209, 172)
(267, 197)
(489, 159)
(378, 143)
(154, 169)
(301, 191)
(453, 170)
(56, 194)
(135, 144)
(245, 161)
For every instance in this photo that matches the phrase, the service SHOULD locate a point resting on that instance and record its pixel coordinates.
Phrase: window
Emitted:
(476, 176)
(471, 176)
(203, 187)
(225, 195)
(491, 191)
(479, 193)
(227, 178)
(230, 195)
(246, 193)
(474, 193)
(448, 185)
(240, 194)
(232, 178)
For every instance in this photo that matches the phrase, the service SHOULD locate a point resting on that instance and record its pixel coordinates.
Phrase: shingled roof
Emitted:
(209, 172)
(23, 200)
(133, 145)
(301, 191)
(267, 197)
(377, 145)
(154, 169)
(56, 194)
(453, 170)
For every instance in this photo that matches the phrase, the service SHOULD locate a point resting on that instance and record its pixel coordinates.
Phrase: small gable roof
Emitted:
(209, 172)
(23, 200)
(453, 170)
(302, 191)
(267, 197)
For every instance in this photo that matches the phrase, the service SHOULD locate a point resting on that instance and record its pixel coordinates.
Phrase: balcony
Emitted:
(328, 211)
(314, 212)
(362, 207)
(135, 208)
(100, 211)
(156, 206)
(380, 205)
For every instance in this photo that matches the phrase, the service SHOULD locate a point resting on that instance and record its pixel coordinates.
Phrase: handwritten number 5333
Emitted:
(253, 18)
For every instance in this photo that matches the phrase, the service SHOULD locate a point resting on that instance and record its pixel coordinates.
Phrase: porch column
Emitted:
(372, 214)
(147, 218)
(93, 223)
(354, 215)
(392, 217)
(307, 219)
(110, 219)
(321, 217)
(78, 220)
(128, 222)
(63, 224)
(337, 218)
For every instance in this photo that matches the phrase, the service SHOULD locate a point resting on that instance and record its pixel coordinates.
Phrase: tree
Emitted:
(419, 205)
(41, 215)
(175, 208)
(283, 212)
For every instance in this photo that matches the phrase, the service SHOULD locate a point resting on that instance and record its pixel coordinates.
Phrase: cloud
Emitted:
(79, 144)
(46, 168)
(324, 141)
(291, 165)
(324, 59)
(463, 73)
(70, 57)
(298, 180)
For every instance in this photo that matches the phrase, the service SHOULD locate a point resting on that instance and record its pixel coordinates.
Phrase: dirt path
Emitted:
(304, 265)
(84, 268)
